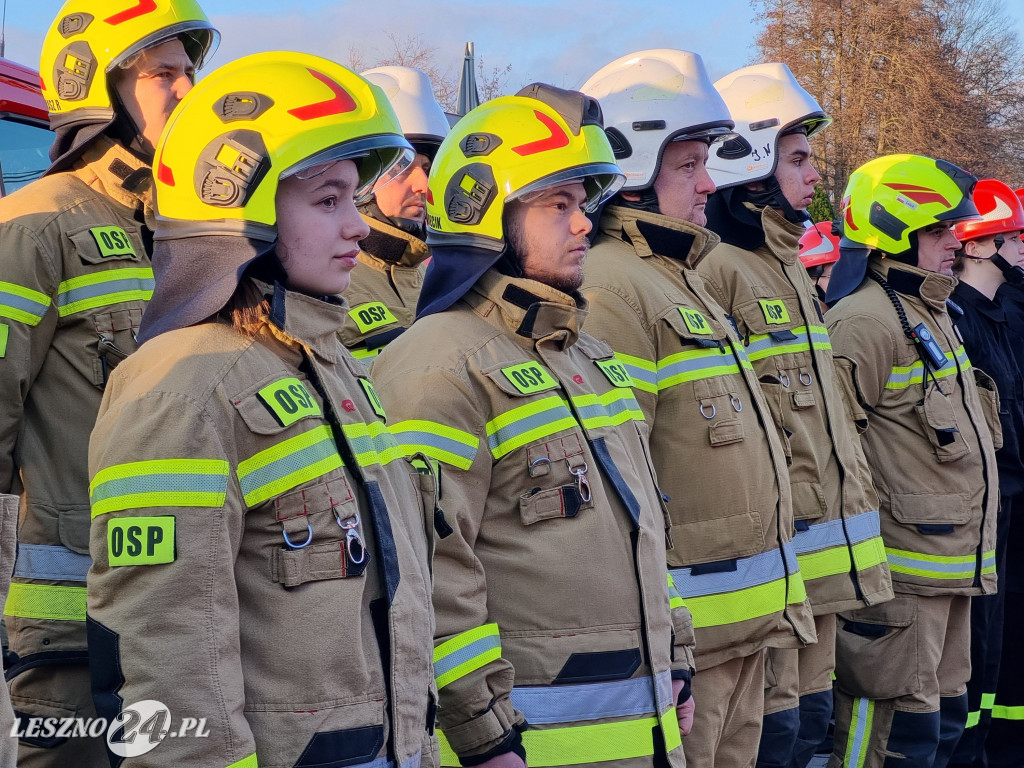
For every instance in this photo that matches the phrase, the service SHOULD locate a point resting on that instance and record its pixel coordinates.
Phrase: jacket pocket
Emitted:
(938, 420)
(930, 508)
(725, 538)
(558, 470)
(989, 395)
(877, 650)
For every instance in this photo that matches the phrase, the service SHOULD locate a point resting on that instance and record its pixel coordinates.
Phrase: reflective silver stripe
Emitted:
(826, 535)
(54, 562)
(546, 704)
(752, 571)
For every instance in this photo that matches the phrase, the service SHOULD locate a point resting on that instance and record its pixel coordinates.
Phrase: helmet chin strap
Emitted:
(413, 227)
(126, 132)
(648, 201)
(1014, 275)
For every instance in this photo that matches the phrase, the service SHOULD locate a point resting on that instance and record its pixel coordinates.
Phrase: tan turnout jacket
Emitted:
(384, 289)
(928, 437)
(771, 299)
(714, 446)
(551, 597)
(75, 280)
(260, 551)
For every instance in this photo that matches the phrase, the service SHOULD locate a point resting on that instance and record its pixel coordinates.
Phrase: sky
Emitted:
(561, 42)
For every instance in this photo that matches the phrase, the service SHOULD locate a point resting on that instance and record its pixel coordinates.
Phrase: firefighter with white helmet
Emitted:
(718, 457)
(387, 280)
(766, 182)
(76, 247)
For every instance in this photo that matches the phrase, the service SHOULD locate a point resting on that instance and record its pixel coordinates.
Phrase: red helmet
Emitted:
(1001, 211)
(820, 244)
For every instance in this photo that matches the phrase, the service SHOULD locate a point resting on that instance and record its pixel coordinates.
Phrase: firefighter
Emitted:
(765, 182)
(75, 247)
(278, 586)
(818, 250)
(990, 256)
(902, 668)
(714, 446)
(386, 282)
(560, 640)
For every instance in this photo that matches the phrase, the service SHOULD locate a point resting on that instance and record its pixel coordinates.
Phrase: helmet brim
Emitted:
(206, 38)
(601, 181)
(381, 157)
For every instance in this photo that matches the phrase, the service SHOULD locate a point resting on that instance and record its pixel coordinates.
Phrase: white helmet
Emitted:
(411, 94)
(766, 102)
(650, 98)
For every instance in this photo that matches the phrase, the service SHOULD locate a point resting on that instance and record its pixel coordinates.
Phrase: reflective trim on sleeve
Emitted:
(362, 353)
(675, 600)
(46, 601)
(943, 567)
(372, 443)
(246, 762)
(159, 483)
(290, 463)
(466, 653)
(50, 561)
(22, 304)
(102, 289)
(527, 423)
(644, 372)
(860, 732)
(438, 441)
(762, 584)
(614, 407)
(903, 376)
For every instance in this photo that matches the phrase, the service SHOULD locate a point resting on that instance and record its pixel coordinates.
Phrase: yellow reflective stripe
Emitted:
(438, 441)
(466, 653)
(675, 600)
(644, 372)
(860, 733)
(527, 423)
(22, 304)
(362, 353)
(931, 566)
(246, 762)
(695, 364)
(294, 461)
(101, 289)
(903, 376)
(372, 443)
(750, 603)
(159, 483)
(46, 601)
(575, 745)
(1002, 712)
(829, 562)
(614, 407)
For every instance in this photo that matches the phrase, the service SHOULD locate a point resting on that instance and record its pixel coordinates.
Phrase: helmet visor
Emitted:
(379, 158)
(600, 180)
(199, 38)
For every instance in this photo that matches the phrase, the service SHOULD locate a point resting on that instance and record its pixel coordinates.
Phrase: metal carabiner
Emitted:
(352, 537)
(784, 379)
(707, 415)
(809, 379)
(582, 484)
(737, 404)
(306, 543)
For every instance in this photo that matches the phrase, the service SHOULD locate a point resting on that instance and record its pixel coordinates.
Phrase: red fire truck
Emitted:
(25, 135)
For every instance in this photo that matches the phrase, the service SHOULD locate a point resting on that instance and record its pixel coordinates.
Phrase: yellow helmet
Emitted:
(511, 146)
(892, 196)
(257, 120)
(886, 200)
(89, 38)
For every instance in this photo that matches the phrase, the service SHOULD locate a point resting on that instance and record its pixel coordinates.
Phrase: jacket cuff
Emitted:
(489, 731)
(686, 692)
(513, 742)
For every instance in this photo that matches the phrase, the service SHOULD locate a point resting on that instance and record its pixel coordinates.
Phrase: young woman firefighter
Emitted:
(260, 549)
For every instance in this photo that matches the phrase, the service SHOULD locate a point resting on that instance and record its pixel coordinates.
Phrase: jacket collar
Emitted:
(930, 287)
(781, 236)
(299, 320)
(964, 293)
(387, 245)
(112, 170)
(654, 234)
(529, 309)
